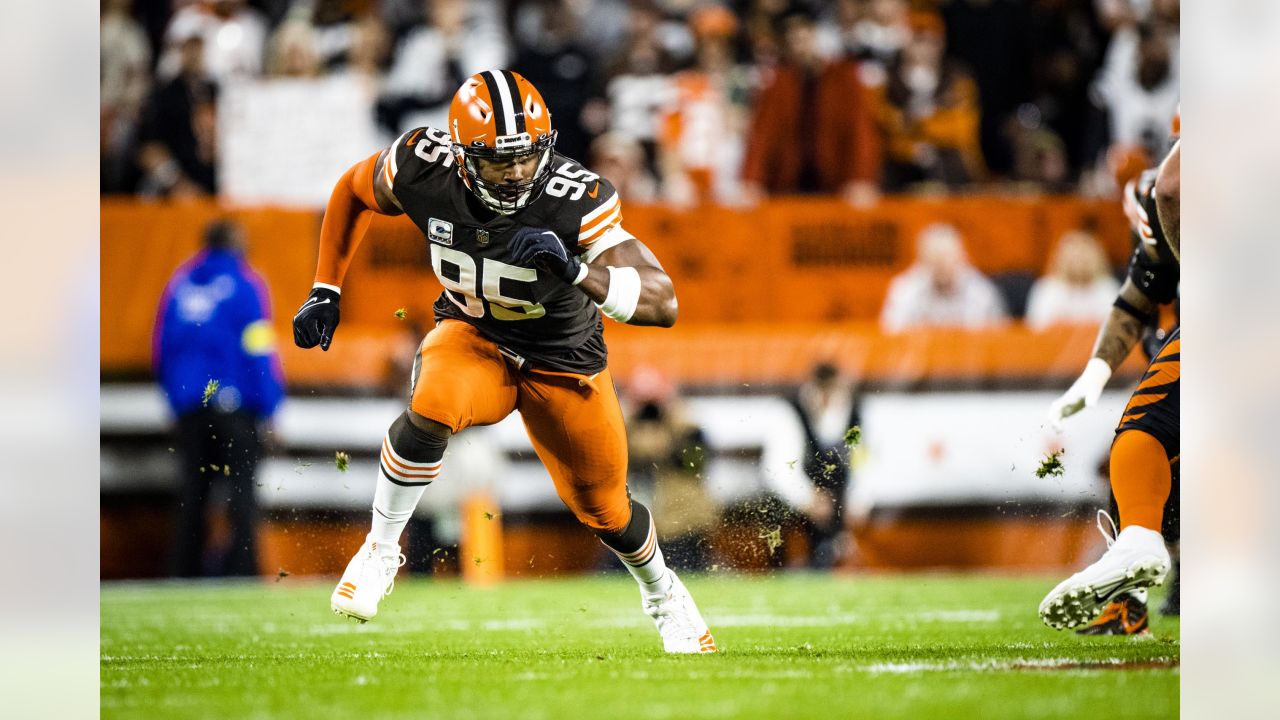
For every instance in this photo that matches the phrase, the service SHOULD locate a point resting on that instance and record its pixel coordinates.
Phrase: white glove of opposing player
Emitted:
(1083, 393)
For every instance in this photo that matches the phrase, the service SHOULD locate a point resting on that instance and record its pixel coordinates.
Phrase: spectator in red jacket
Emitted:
(813, 129)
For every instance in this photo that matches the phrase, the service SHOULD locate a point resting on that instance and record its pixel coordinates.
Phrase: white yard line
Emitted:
(1015, 664)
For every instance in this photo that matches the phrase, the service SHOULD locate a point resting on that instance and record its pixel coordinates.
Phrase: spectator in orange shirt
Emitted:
(700, 131)
(813, 129)
(930, 117)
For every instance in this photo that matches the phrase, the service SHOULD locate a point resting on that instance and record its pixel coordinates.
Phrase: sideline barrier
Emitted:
(762, 291)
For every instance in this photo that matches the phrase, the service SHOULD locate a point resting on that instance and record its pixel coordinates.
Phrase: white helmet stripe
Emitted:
(504, 101)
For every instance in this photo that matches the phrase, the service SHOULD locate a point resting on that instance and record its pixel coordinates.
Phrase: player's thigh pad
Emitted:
(576, 427)
(460, 379)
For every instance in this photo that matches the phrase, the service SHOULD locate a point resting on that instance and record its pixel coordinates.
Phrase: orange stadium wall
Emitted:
(812, 272)
(763, 294)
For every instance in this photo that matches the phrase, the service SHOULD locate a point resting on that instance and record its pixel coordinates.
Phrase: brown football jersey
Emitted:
(540, 318)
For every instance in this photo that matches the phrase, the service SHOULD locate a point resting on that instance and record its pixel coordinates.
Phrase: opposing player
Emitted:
(1144, 455)
(530, 249)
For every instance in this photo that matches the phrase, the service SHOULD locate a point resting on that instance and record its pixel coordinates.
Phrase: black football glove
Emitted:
(542, 248)
(316, 320)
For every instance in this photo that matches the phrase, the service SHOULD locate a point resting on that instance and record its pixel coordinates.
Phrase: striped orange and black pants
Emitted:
(1154, 406)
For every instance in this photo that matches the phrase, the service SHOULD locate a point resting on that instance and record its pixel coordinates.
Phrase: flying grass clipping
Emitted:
(1051, 465)
(772, 539)
(853, 436)
(210, 389)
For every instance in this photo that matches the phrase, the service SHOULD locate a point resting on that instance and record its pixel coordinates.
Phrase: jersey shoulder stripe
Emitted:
(583, 197)
(599, 221)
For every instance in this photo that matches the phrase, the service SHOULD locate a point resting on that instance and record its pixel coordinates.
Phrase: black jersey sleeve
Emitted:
(414, 153)
(591, 206)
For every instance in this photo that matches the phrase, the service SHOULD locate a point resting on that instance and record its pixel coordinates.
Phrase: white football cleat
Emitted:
(1136, 558)
(369, 577)
(678, 620)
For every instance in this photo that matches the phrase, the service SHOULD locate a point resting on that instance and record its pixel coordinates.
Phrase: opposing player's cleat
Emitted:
(679, 622)
(369, 577)
(1125, 615)
(1136, 558)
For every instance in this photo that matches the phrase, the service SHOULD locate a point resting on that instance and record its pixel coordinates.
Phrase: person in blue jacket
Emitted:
(215, 358)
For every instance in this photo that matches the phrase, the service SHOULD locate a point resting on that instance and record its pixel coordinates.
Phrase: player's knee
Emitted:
(427, 426)
(418, 439)
(616, 521)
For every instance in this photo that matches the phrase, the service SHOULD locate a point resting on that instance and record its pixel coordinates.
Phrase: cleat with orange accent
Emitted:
(1136, 558)
(679, 622)
(369, 577)
(1125, 615)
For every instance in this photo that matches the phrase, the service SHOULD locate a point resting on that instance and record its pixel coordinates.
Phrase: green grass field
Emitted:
(792, 646)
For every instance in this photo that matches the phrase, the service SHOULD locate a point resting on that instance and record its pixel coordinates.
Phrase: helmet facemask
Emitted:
(503, 197)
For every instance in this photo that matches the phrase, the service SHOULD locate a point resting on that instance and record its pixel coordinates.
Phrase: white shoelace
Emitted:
(672, 611)
(385, 565)
(1110, 537)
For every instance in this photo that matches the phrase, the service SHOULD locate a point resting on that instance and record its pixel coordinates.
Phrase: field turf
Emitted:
(913, 646)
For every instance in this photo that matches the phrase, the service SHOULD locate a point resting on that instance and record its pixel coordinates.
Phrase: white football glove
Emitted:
(1083, 393)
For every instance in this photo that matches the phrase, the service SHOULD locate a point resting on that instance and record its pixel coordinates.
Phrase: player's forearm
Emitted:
(346, 218)
(1119, 334)
(345, 221)
(1124, 326)
(655, 305)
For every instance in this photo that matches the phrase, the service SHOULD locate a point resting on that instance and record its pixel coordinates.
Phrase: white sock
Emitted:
(647, 565)
(400, 485)
(393, 505)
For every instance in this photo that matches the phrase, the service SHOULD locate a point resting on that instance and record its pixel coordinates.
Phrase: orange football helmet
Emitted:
(498, 115)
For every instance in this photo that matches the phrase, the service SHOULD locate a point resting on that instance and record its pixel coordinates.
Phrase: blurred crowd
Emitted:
(685, 101)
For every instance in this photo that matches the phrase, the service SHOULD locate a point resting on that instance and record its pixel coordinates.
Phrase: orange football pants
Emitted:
(1146, 444)
(574, 421)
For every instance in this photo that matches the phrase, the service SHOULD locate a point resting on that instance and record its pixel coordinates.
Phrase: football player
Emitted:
(1144, 455)
(530, 249)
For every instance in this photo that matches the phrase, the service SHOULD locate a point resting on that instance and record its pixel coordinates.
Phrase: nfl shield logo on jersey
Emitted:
(440, 231)
(482, 236)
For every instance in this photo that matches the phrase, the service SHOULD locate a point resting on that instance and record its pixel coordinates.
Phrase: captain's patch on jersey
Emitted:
(440, 231)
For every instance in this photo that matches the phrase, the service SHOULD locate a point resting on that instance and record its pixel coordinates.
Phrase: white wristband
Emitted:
(624, 294)
(582, 274)
(327, 286)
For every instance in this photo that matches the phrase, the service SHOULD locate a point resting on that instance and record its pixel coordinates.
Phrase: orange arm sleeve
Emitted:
(346, 219)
